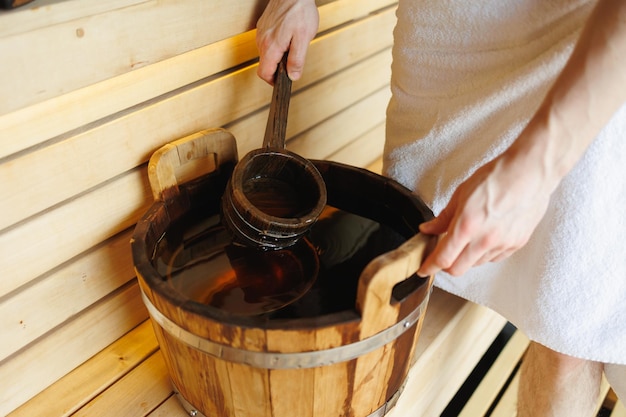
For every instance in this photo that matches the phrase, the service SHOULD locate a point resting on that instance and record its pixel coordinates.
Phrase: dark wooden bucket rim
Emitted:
(407, 209)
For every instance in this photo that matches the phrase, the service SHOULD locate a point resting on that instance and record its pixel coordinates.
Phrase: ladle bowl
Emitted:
(274, 195)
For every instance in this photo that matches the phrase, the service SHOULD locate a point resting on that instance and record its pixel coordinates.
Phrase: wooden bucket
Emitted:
(351, 363)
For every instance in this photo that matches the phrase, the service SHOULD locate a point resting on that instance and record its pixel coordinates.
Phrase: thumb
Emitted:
(439, 224)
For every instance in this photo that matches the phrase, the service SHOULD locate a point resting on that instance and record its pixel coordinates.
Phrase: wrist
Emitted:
(539, 155)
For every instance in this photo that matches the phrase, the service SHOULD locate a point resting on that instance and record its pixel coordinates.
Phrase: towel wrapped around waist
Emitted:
(467, 77)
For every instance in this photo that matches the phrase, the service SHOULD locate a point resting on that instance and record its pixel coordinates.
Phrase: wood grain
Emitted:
(89, 49)
(495, 379)
(87, 159)
(75, 136)
(69, 345)
(84, 281)
(85, 105)
(65, 231)
(93, 377)
(136, 394)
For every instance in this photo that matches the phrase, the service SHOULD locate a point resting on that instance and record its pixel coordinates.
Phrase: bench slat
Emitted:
(499, 372)
(75, 389)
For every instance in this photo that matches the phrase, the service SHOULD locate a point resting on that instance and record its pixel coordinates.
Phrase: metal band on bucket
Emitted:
(379, 412)
(277, 360)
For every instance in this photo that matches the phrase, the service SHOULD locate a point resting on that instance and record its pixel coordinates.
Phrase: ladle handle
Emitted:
(218, 145)
(276, 128)
(379, 277)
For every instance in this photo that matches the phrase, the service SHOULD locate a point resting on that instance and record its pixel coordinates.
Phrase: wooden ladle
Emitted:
(273, 196)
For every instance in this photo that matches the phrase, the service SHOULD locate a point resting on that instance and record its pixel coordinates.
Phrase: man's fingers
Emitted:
(468, 258)
(269, 59)
(268, 63)
(295, 61)
(443, 256)
(439, 224)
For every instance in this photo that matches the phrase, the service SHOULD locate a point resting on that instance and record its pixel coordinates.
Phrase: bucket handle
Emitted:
(218, 144)
(379, 277)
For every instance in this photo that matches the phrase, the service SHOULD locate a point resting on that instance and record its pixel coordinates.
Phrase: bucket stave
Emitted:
(349, 363)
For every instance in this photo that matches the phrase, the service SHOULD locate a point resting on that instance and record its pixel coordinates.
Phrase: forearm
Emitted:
(591, 87)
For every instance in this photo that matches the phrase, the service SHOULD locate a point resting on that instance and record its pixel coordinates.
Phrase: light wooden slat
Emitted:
(507, 406)
(50, 12)
(310, 108)
(91, 103)
(604, 390)
(444, 312)
(333, 13)
(64, 293)
(85, 160)
(88, 104)
(328, 137)
(170, 408)
(72, 391)
(611, 399)
(364, 150)
(39, 365)
(288, 380)
(446, 358)
(135, 395)
(499, 372)
(467, 352)
(90, 49)
(619, 410)
(65, 231)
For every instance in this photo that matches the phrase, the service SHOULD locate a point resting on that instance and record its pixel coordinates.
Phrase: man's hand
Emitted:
(489, 217)
(286, 25)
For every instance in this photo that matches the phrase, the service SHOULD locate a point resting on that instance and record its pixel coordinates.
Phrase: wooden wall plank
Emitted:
(36, 367)
(87, 104)
(90, 379)
(363, 151)
(328, 137)
(65, 231)
(94, 102)
(309, 107)
(84, 281)
(89, 158)
(89, 49)
(45, 13)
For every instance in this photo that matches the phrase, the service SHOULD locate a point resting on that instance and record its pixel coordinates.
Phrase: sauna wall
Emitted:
(89, 90)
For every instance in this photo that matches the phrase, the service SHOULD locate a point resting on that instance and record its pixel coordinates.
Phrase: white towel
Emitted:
(467, 76)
